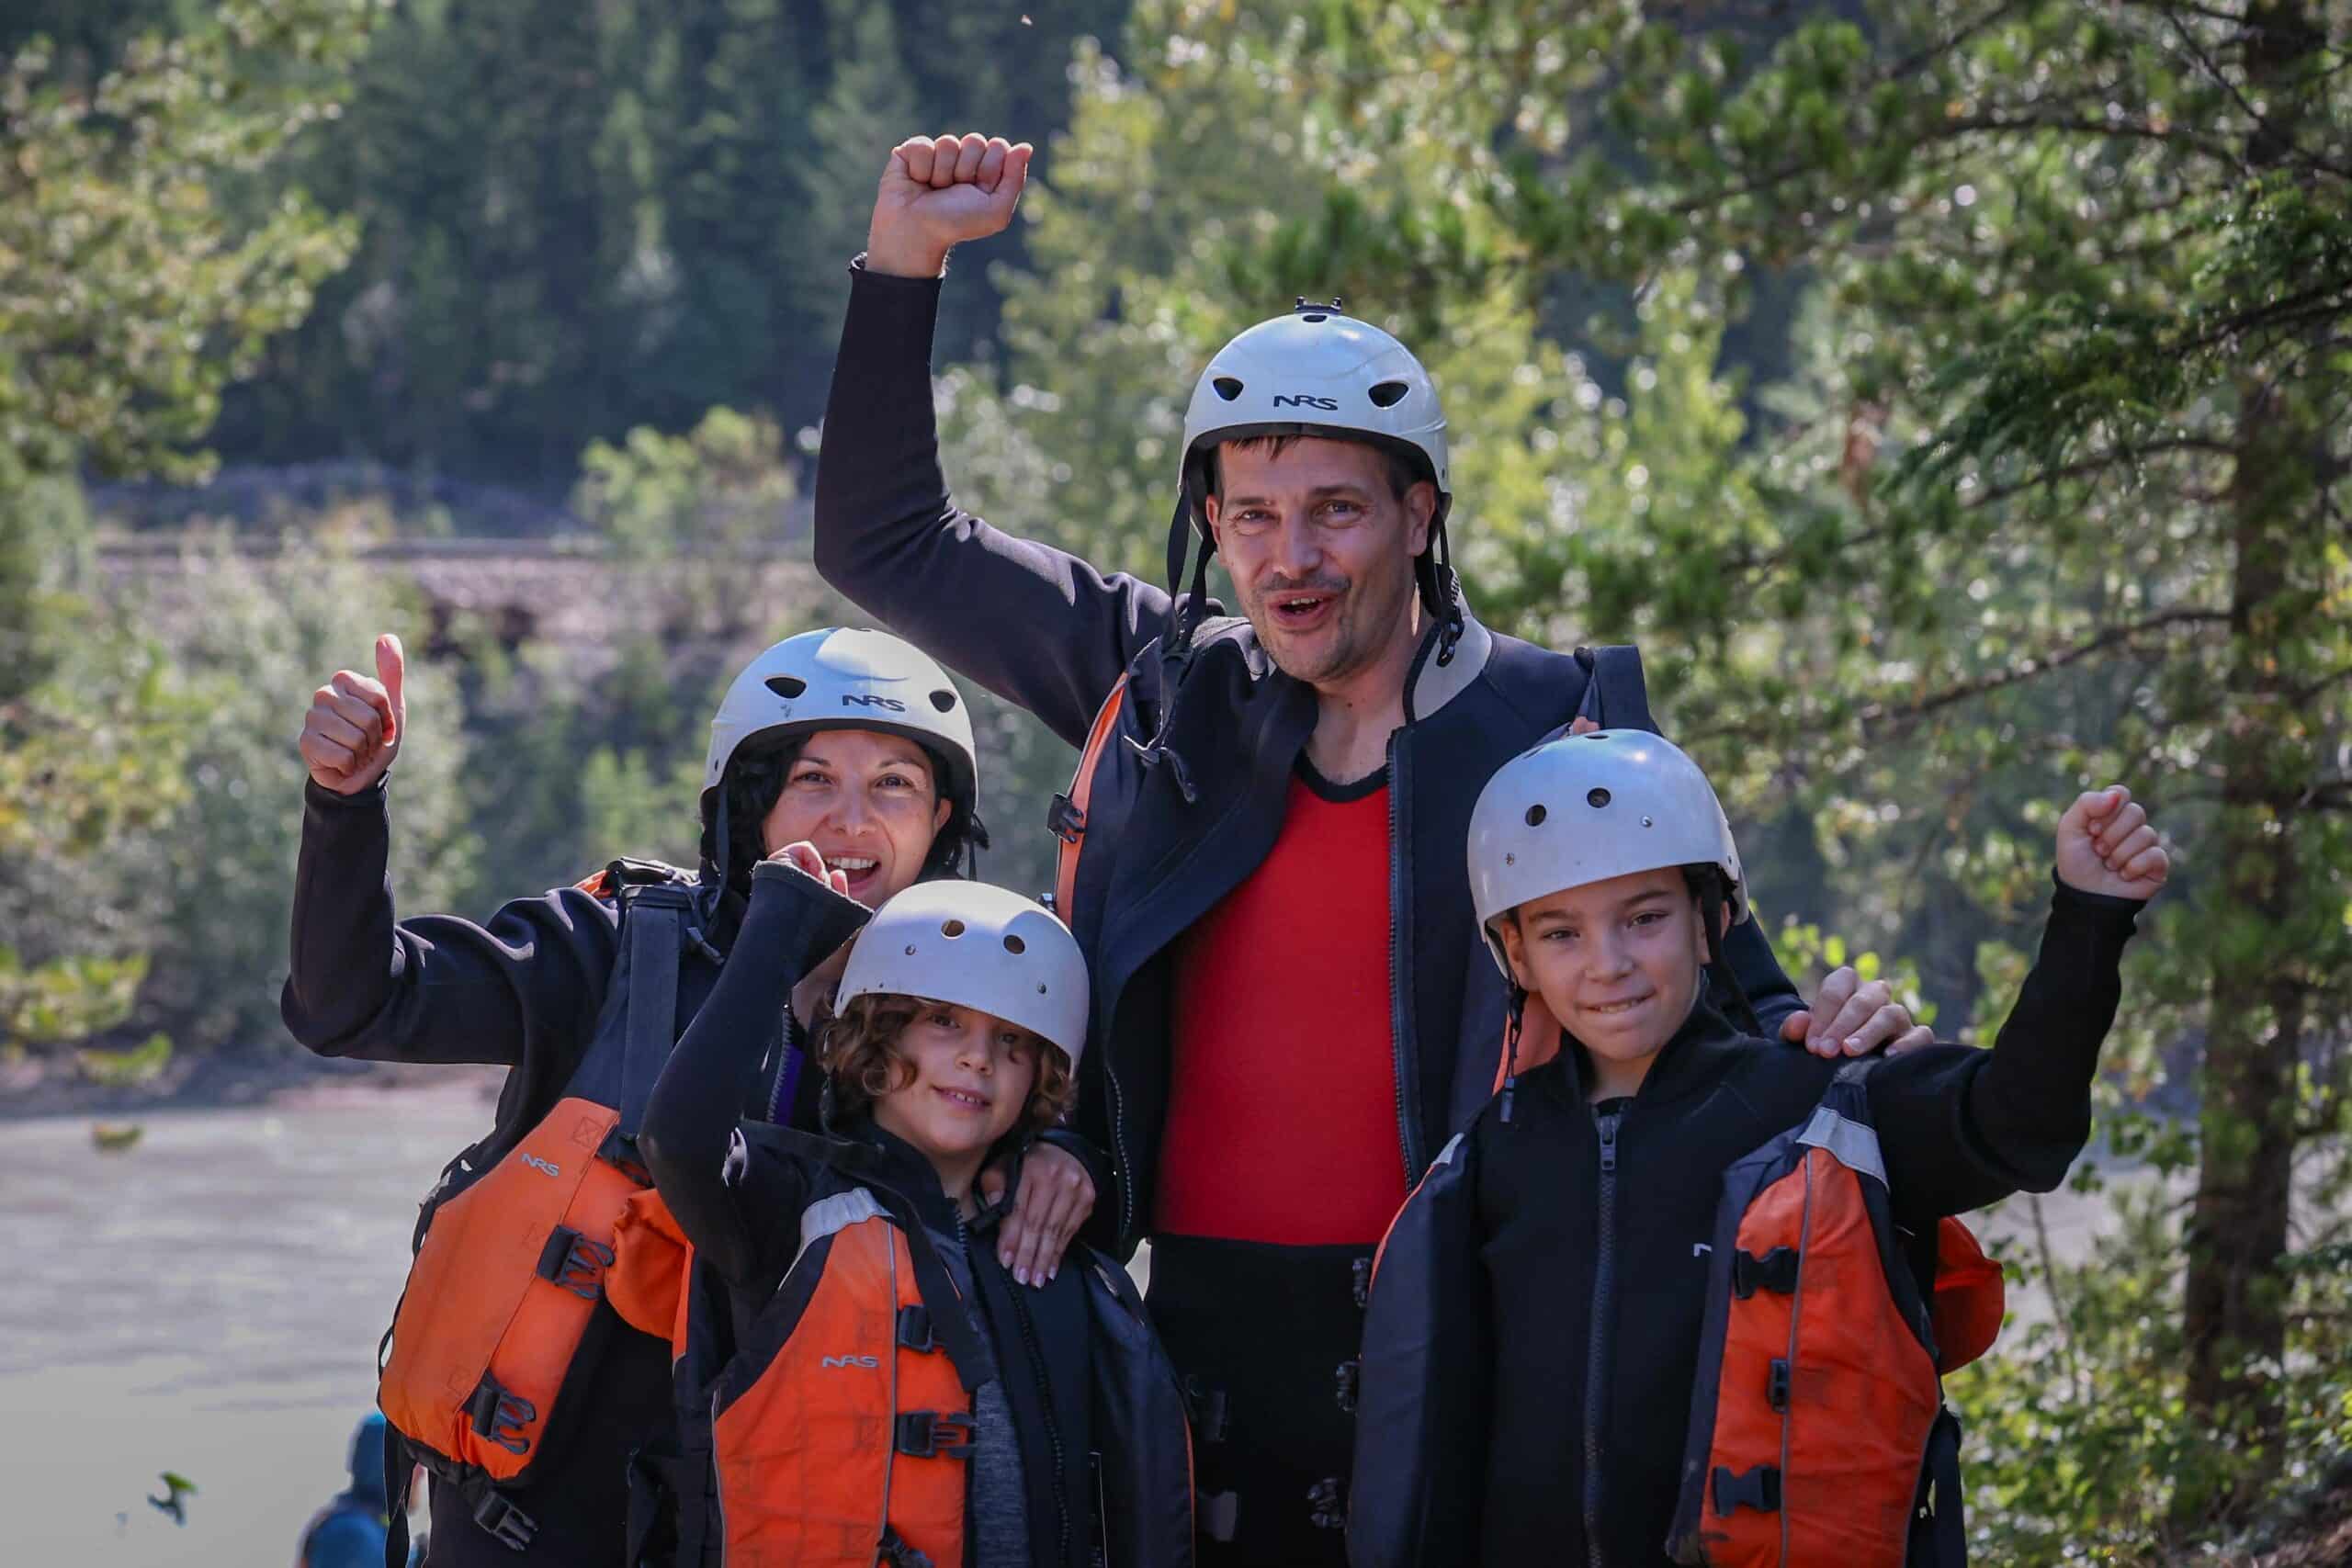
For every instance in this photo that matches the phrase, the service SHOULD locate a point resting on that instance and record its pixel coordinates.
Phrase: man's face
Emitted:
(1321, 552)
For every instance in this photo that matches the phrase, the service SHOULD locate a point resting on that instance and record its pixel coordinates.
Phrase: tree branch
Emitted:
(2032, 669)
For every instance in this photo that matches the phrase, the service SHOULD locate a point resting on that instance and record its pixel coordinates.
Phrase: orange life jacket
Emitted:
(841, 1429)
(1818, 1430)
(507, 1312)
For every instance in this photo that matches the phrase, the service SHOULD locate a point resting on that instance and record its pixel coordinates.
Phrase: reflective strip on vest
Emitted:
(829, 1216)
(1851, 1143)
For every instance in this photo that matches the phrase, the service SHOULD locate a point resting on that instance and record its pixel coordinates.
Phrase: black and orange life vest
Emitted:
(842, 1428)
(541, 1242)
(1818, 1430)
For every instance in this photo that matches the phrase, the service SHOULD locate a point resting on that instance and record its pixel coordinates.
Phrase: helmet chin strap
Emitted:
(1441, 586)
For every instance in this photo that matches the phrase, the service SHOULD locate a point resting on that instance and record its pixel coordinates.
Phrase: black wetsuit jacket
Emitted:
(1960, 1128)
(739, 1197)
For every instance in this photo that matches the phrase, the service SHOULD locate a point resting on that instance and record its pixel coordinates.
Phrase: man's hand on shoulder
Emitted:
(939, 191)
(1855, 1018)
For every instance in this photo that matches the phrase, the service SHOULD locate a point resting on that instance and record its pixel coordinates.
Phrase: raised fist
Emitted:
(938, 191)
(2105, 846)
(352, 730)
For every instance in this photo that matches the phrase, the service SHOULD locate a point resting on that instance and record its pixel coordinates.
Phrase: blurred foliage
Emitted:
(573, 221)
(1952, 399)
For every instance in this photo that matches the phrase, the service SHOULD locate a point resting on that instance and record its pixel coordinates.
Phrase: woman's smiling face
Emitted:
(870, 803)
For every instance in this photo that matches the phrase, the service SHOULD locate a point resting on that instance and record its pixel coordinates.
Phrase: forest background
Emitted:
(1950, 397)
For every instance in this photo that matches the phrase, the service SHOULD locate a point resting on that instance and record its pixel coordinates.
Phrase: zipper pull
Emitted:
(1609, 1143)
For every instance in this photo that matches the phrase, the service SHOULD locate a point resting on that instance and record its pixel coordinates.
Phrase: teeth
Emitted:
(974, 1100)
(852, 863)
(1621, 1007)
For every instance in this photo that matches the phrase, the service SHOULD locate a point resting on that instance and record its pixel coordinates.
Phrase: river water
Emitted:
(207, 1303)
(209, 1300)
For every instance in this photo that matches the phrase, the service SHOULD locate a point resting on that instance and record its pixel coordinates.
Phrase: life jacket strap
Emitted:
(619, 1151)
(927, 1434)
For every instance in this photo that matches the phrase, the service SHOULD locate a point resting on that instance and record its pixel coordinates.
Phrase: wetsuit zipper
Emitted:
(1053, 1427)
(1119, 1146)
(1595, 1374)
(1400, 1013)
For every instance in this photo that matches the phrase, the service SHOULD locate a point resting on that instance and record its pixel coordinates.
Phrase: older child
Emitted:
(880, 1386)
(1609, 1317)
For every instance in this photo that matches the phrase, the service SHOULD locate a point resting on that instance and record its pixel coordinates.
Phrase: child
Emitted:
(880, 1388)
(1585, 1310)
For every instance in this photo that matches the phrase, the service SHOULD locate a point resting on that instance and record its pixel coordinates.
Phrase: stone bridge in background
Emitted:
(567, 591)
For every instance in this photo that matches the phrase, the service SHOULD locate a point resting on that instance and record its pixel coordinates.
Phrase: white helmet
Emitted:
(1583, 809)
(844, 678)
(1315, 372)
(974, 945)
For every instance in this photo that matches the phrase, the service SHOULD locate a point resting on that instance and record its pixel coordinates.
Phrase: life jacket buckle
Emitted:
(1775, 1272)
(895, 1551)
(927, 1434)
(1208, 1408)
(1347, 1376)
(914, 1328)
(573, 1262)
(1064, 821)
(501, 1416)
(506, 1524)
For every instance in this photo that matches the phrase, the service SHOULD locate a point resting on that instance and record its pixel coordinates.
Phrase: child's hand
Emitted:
(2105, 846)
(806, 859)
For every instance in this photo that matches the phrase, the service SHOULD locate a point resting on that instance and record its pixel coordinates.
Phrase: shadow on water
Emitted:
(208, 1302)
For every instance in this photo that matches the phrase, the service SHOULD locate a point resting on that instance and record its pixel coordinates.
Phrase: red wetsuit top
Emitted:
(1281, 1094)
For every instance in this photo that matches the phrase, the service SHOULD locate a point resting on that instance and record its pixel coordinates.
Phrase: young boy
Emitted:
(1536, 1328)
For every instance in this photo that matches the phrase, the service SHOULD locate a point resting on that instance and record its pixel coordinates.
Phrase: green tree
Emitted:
(131, 290)
(2064, 502)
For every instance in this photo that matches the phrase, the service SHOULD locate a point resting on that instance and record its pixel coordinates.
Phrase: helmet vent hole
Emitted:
(944, 700)
(1316, 316)
(786, 686)
(1535, 815)
(951, 928)
(1596, 798)
(1228, 387)
(1041, 987)
(1015, 946)
(1388, 394)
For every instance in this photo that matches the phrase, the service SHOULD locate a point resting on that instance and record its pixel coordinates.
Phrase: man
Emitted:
(1290, 1015)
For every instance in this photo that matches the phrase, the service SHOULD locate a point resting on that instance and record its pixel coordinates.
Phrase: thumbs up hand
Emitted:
(355, 726)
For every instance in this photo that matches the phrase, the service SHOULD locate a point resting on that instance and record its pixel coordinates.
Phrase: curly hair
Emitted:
(858, 1049)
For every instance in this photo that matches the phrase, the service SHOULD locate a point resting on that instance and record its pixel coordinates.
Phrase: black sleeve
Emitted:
(1086, 1153)
(1961, 1128)
(522, 990)
(1035, 626)
(727, 1203)
(1770, 990)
